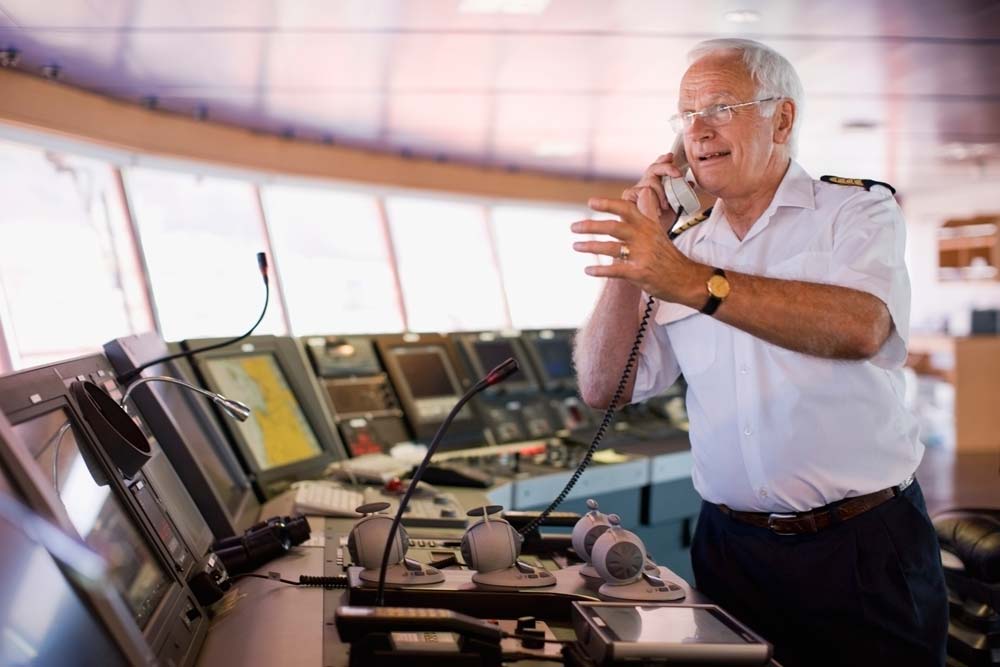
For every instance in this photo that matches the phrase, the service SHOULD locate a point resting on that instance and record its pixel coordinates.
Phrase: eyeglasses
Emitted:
(714, 116)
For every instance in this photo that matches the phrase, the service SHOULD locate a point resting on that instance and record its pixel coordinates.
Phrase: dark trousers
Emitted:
(868, 591)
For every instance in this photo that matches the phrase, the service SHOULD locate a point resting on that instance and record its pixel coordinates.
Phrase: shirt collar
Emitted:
(795, 190)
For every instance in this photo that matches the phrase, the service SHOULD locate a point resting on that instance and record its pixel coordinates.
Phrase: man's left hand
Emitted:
(654, 264)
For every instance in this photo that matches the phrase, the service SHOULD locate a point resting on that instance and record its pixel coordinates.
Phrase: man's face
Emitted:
(727, 160)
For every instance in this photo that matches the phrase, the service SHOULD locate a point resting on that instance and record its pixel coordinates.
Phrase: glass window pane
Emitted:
(450, 281)
(334, 260)
(200, 236)
(69, 279)
(561, 294)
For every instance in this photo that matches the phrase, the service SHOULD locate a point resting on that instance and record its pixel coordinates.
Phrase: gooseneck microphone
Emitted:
(236, 409)
(497, 375)
(126, 378)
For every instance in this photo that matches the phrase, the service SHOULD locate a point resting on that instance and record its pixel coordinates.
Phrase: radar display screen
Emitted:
(557, 358)
(425, 372)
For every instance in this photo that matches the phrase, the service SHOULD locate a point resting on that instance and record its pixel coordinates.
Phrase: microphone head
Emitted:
(235, 409)
(502, 372)
(262, 264)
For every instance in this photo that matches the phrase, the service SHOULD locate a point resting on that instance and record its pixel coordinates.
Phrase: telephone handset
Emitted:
(680, 193)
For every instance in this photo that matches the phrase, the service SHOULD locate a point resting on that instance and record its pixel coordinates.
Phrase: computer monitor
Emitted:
(96, 513)
(342, 356)
(485, 351)
(552, 354)
(425, 372)
(53, 609)
(44, 620)
(364, 404)
(188, 431)
(290, 433)
(126, 521)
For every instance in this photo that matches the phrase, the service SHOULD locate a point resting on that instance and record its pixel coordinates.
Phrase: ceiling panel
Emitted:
(585, 88)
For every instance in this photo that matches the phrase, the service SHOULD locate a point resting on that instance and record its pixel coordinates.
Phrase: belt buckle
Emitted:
(905, 484)
(771, 518)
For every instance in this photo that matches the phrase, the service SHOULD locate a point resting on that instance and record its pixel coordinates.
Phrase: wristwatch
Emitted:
(718, 290)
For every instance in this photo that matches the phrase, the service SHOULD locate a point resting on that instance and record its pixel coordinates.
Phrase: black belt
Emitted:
(821, 518)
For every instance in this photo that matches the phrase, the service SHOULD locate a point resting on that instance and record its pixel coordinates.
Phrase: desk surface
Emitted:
(265, 622)
(268, 623)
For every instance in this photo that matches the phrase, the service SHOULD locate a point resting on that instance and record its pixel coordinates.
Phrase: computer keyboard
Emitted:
(441, 510)
(320, 498)
(370, 468)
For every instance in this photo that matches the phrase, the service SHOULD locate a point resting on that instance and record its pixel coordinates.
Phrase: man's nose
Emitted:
(700, 130)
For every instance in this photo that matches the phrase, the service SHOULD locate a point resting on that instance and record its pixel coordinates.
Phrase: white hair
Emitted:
(773, 75)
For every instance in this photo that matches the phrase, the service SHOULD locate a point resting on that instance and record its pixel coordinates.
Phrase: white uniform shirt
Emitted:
(774, 430)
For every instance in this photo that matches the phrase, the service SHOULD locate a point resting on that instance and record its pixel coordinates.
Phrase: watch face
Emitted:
(718, 286)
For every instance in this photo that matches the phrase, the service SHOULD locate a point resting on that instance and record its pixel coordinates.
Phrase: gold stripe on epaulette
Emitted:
(693, 222)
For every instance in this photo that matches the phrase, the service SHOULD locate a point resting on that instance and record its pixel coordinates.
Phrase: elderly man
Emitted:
(787, 311)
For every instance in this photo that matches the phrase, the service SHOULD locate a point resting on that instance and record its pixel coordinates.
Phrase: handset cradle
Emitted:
(369, 630)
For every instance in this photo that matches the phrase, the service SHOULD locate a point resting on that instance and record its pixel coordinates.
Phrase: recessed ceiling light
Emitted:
(558, 149)
(742, 16)
(502, 6)
(961, 151)
(860, 124)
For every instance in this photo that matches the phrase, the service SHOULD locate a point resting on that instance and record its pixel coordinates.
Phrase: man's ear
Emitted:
(784, 119)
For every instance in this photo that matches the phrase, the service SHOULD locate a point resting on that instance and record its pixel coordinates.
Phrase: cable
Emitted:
(534, 657)
(513, 635)
(58, 437)
(304, 580)
(126, 378)
(609, 413)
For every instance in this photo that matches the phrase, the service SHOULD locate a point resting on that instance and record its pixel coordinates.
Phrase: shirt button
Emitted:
(744, 370)
(748, 431)
(763, 493)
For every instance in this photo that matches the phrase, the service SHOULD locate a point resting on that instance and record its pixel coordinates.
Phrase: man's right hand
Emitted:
(648, 193)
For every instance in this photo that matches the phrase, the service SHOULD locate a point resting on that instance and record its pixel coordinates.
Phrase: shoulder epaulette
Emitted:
(688, 224)
(865, 183)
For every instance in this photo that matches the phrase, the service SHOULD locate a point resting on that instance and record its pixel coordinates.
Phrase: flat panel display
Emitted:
(492, 353)
(277, 432)
(667, 625)
(96, 513)
(43, 620)
(369, 396)
(557, 357)
(425, 372)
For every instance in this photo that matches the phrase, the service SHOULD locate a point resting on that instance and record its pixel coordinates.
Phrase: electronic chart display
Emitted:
(96, 513)
(277, 432)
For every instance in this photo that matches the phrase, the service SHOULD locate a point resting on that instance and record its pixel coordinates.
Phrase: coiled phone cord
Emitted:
(609, 412)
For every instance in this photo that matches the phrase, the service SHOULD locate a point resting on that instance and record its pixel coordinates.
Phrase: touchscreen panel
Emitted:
(667, 625)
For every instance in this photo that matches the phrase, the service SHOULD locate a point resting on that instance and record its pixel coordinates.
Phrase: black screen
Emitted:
(358, 397)
(96, 513)
(492, 353)
(424, 371)
(557, 357)
(44, 621)
(222, 471)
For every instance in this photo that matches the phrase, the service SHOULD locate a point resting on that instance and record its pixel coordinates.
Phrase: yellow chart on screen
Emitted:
(280, 434)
